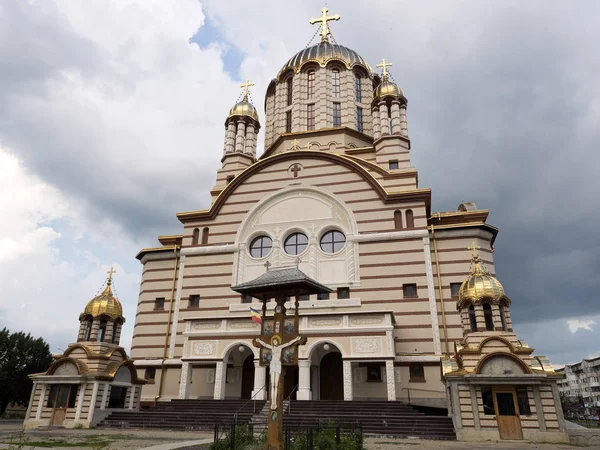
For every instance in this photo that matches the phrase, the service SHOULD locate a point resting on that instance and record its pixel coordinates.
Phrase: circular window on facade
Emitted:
(295, 244)
(333, 241)
(261, 246)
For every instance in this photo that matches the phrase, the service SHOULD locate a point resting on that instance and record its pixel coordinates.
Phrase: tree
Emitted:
(20, 355)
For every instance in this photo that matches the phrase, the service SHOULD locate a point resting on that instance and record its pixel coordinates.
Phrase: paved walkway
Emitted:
(423, 444)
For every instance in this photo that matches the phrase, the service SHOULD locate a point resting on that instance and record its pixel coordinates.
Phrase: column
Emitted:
(250, 140)
(185, 381)
(82, 388)
(131, 396)
(40, 406)
(539, 408)
(260, 375)
(220, 374)
(384, 119)
(31, 401)
(117, 333)
(93, 402)
(437, 346)
(376, 124)
(110, 329)
(304, 380)
(395, 117)
(230, 137)
(403, 123)
(391, 380)
(240, 136)
(348, 394)
(104, 396)
(479, 317)
(95, 327)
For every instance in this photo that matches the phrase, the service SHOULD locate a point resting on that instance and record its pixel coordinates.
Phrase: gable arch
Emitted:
(347, 162)
(491, 356)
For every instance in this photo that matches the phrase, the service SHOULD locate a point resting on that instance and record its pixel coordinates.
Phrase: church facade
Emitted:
(335, 195)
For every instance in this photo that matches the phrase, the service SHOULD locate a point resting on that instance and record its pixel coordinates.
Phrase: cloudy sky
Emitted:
(111, 121)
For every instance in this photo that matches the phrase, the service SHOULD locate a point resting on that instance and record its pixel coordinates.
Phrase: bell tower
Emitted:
(241, 131)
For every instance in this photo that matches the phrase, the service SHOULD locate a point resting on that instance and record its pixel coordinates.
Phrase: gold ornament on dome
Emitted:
(384, 65)
(386, 88)
(105, 304)
(480, 284)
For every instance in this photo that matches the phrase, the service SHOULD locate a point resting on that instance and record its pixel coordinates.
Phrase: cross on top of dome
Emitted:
(245, 86)
(384, 65)
(325, 31)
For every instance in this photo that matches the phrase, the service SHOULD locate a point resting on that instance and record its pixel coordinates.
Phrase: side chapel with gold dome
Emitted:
(415, 313)
(93, 377)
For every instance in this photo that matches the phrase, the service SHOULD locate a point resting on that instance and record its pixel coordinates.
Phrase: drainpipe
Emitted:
(440, 290)
(162, 364)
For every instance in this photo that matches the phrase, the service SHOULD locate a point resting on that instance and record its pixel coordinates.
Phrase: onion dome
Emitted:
(243, 108)
(321, 54)
(480, 285)
(105, 304)
(387, 89)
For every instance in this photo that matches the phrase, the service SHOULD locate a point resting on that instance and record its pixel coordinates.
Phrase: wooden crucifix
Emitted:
(278, 345)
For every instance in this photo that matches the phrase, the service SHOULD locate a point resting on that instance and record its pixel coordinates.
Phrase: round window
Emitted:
(295, 244)
(333, 241)
(261, 246)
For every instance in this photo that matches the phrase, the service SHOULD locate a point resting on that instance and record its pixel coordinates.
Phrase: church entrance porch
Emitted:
(331, 386)
(61, 397)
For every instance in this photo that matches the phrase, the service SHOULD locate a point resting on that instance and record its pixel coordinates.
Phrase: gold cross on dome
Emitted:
(110, 274)
(474, 248)
(384, 65)
(324, 19)
(246, 85)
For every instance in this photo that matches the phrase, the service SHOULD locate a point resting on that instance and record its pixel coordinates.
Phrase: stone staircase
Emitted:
(381, 418)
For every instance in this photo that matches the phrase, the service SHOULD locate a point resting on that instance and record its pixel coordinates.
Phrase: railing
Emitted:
(417, 389)
(294, 389)
(244, 405)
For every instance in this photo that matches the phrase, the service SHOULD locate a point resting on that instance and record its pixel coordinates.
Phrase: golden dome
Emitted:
(387, 89)
(321, 54)
(480, 284)
(105, 304)
(243, 108)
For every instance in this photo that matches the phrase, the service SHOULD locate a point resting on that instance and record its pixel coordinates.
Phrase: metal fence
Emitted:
(232, 436)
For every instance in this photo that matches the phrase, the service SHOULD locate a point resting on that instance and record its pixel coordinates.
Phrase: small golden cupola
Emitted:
(482, 302)
(102, 318)
(242, 127)
(388, 106)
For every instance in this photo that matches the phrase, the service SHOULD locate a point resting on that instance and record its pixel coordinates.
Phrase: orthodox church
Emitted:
(415, 311)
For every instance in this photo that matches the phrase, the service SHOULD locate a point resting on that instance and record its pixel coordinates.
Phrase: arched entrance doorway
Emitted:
(331, 377)
(247, 377)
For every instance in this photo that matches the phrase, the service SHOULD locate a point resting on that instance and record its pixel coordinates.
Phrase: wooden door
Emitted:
(507, 413)
(247, 377)
(58, 416)
(332, 375)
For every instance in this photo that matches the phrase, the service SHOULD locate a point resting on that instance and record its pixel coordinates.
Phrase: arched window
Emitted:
(487, 315)
(335, 82)
(416, 371)
(205, 235)
(195, 236)
(311, 83)
(290, 91)
(102, 331)
(150, 374)
(398, 219)
(410, 219)
(88, 330)
(358, 87)
(503, 318)
(472, 319)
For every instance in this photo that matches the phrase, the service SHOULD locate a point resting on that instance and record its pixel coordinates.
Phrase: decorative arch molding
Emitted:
(504, 300)
(526, 369)
(349, 163)
(78, 364)
(315, 345)
(227, 350)
(309, 210)
(91, 354)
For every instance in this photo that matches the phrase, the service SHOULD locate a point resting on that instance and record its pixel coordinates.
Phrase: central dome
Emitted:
(321, 54)
(104, 304)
